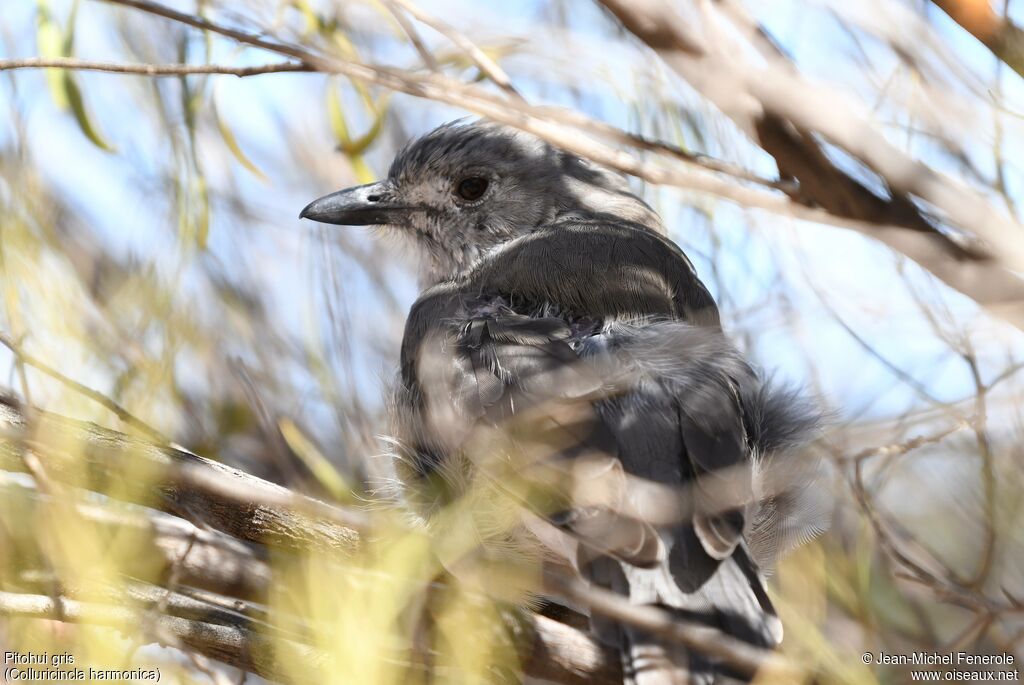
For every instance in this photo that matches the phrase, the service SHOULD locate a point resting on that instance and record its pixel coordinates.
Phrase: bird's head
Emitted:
(465, 188)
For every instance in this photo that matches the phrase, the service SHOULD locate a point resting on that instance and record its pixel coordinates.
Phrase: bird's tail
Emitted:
(732, 604)
(708, 572)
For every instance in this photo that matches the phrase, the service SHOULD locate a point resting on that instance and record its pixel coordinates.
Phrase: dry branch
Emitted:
(239, 504)
(148, 69)
(230, 644)
(556, 652)
(1000, 35)
(784, 114)
(201, 558)
(763, 106)
(745, 658)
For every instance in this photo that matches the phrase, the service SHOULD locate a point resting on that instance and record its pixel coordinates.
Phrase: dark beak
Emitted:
(372, 203)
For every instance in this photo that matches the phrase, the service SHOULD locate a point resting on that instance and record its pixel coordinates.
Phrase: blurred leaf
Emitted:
(68, 39)
(344, 45)
(313, 21)
(354, 149)
(321, 468)
(51, 43)
(232, 143)
(62, 82)
(202, 215)
(194, 210)
(78, 108)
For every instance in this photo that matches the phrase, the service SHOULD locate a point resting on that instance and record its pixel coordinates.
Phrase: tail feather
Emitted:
(732, 600)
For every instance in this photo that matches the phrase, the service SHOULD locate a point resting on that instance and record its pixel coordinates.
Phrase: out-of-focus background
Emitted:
(150, 250)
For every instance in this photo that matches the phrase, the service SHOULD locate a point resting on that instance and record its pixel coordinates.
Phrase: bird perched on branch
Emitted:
(558, 314)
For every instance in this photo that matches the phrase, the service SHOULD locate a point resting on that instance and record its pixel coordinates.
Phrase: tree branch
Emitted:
(782, 113)
(840, 202)
(235, 645)
(230, 500)
(148, 69)
(1000, 35)
(744, 657)
(556, 652)
(203, 559)
(262, 513)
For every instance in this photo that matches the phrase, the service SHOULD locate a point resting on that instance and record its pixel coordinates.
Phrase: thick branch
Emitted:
(1000, 35)
(230, 500)
(557, 652)
(230, 644)
(199, 558)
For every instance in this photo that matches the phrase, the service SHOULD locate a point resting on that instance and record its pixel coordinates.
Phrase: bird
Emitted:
(557, 313)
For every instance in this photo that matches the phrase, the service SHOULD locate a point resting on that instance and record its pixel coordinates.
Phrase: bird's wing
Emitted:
(600, 270)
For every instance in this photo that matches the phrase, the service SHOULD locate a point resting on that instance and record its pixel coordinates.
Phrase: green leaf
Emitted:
(63, 83)
(313, 21)
(354, 149)
(51, 43)
(232, 143)
(68, 40)
(77, 104)
(319, 466)
(336, 117)
(193, 210)
(202, 211)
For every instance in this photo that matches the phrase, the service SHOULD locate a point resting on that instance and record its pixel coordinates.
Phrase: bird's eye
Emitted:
(472, 188)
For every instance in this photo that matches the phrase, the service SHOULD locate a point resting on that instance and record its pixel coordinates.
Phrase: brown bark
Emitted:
(1000, 35)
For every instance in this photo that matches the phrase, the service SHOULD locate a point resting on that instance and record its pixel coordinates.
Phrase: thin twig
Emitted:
(148, 69)
(485, 64)
(414, 37)
(897, 449)
(98, 397)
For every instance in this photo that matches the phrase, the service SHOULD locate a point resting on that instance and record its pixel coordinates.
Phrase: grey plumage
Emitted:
(553, 297)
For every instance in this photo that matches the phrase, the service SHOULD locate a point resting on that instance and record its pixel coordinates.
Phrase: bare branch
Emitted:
(233, 501)
(908, 445)
(486, 65)
(1000, 35)
(235, 645)
(148, 69)
(414, 37)
(203, 559)
(556, 652)
(780, 111)
(843, 203)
